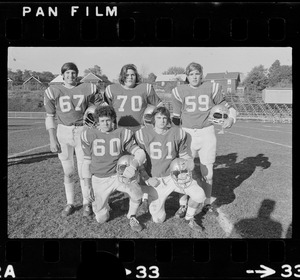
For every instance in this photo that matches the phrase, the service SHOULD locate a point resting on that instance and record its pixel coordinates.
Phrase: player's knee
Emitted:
(68, 168)
(159, 220)
(207, 172)
(102, 218)
(198, 196)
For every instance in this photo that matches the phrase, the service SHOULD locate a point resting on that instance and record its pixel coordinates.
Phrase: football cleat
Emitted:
(218, 114)
(147, 116)
(88, 117)
(134, 224)
(180, 213)
(209, 209)
(68, 210)
(87, 210)
(123, 162)
(180, 172)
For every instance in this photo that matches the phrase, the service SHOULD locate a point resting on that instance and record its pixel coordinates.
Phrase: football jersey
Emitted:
(161, 149)
(69, 105)
(193, 104)
(105, 148)
(130, 104)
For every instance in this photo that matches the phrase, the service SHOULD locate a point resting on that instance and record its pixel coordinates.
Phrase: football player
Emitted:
(130, 98)
(164, 143)
(102, 148)
(67, 103)
(192, 103)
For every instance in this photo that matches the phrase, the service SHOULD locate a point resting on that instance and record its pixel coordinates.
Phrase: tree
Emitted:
(280, 75)
(274, 73)
(151, 78)
(95, 70)
(175, 70)
(257, 79)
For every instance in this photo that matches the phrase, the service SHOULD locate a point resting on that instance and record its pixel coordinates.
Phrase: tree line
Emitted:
(256, 80)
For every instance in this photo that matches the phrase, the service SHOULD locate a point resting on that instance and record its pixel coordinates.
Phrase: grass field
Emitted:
(252, 189)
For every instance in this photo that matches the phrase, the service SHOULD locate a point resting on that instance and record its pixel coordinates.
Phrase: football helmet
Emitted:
(218, 114)
(180, 172)
(122, 163)
(147, 116)
(88, 118)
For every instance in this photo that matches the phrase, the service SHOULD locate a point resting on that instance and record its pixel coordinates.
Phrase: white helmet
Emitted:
(88, 118)
(123, 162)
(218, 114)
(180, 172)
(147, 116)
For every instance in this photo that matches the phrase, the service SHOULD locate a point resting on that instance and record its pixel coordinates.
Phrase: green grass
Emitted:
(252, 186)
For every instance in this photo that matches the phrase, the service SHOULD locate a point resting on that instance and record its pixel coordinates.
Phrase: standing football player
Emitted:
(192, 103)
(67, 103)
(102, 148)
(164, 143)
(130, 99)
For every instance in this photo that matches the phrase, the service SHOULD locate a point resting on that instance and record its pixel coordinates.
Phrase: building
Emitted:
(277, 95)
(168, 82)
(95, 79)
(58, 80)
(33, 83)
(228, 80)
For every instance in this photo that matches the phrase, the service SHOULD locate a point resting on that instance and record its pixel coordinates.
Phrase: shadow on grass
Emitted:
(31, 158)
(231, 175)
(262, 226)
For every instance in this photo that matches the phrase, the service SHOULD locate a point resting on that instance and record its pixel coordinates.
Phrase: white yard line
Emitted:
(258, 139)
(24, 152)
(11, 132)
(263, 129)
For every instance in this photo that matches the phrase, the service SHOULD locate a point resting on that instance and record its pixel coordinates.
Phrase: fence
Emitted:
(26, 115)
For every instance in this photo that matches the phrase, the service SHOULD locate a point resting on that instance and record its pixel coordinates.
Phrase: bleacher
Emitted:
(254, 108)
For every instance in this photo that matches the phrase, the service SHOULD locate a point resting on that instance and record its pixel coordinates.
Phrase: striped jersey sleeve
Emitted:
(176, 102)
(49, 102)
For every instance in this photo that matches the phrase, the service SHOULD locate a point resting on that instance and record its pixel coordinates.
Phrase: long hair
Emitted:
(69, 66)
(162, 110)
(122, 76)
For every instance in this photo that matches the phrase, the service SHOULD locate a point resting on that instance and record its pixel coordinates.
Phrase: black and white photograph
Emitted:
(149, 142)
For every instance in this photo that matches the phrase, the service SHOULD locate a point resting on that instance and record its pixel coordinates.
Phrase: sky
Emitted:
(147, 59)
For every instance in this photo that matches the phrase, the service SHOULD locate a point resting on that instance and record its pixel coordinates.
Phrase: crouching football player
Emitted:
(103, 146)
(162, 145)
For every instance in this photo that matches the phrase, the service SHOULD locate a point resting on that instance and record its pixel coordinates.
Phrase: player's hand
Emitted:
(129, 172)
(153, 182)
(190, 165)
(55, 146)
(228, 123)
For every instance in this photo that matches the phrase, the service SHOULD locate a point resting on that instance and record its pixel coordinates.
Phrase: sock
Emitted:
(207, 201)
(133, 207)
(69, 188)
(145, 196)
(85, 193)
(190, 213)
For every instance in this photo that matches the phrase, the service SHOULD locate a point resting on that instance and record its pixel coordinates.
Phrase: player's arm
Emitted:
(108, 97)
(184, 149)
(177, 105)
(218, 98)
(49, 103)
